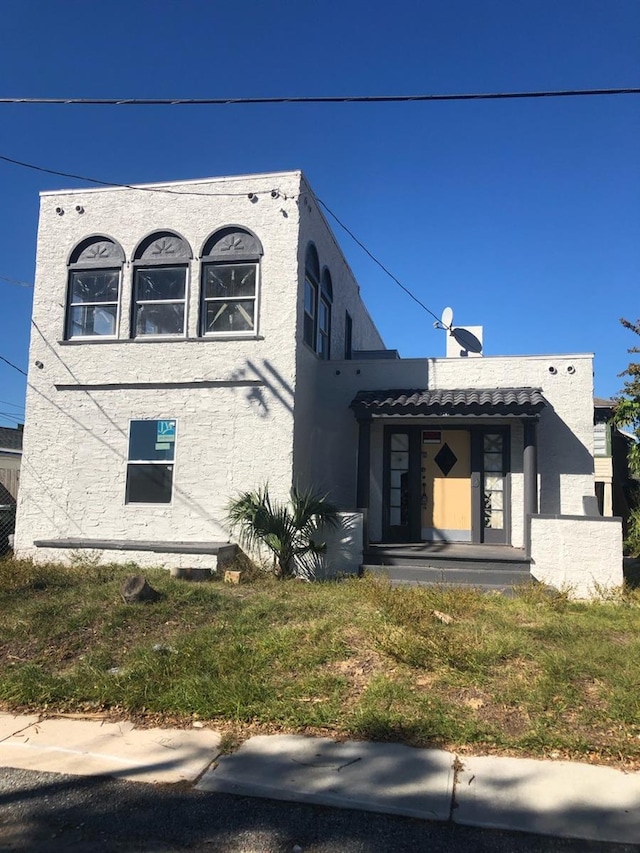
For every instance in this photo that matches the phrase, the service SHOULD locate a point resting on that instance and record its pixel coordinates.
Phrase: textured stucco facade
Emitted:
(235, 400)
(565, 430)
(253, 407)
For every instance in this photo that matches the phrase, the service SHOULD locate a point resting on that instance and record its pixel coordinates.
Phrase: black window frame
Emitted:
(228, 247)
(161, 250)
(145, 472)
(94, 255)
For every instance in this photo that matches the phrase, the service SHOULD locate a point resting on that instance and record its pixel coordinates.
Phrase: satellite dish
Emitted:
(447, 317)
(466, 339)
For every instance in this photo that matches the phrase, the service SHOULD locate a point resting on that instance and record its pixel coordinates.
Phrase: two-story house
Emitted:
(195, 339)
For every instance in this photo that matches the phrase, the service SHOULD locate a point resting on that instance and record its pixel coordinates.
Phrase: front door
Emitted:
(446, 484)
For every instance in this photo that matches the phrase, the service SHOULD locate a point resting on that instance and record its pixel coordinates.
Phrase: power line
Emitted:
(178, 192)
(11, 364)
(331, 99)
(144, 189)
(13, 405)
(376, 261)
(15, 281)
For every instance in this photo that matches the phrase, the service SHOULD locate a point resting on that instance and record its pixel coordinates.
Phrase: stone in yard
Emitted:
(136, 588)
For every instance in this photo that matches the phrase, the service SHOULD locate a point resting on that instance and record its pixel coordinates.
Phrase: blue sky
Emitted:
(522, 215)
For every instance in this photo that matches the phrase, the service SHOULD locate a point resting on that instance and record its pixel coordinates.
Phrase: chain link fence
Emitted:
(7, 527)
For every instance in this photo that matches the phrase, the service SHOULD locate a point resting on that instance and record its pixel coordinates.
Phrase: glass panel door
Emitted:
(493, 478)
(399, 480)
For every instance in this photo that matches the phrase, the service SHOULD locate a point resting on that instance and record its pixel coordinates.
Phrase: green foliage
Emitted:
(627, 412)
(632, 542)
(289, 530)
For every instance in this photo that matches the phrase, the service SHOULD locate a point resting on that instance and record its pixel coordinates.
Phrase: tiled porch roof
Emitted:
(495, 402)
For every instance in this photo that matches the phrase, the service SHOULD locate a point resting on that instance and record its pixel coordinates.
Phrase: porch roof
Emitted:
(464, 402)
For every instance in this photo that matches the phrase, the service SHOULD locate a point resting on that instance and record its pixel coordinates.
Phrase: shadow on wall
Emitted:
(252, 380)
(559, 452)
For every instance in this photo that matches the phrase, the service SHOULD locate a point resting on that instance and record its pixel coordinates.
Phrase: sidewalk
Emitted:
(546, 797)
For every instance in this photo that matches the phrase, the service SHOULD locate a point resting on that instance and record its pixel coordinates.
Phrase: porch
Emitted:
(489, 567)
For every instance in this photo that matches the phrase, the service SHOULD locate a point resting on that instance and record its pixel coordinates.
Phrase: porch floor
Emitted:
(493, 567)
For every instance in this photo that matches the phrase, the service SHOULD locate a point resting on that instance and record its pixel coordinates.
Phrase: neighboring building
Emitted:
(611, 459)
(10, 457)
(204, 337)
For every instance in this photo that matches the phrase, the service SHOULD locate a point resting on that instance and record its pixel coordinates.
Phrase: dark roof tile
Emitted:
(520, 402)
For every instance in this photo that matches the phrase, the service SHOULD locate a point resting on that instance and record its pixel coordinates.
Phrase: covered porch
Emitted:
(448, 479)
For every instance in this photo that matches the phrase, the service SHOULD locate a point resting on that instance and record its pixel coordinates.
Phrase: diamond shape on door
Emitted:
(445, 459)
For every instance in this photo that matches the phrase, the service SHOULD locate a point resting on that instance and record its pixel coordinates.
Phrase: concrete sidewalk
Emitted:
(557, 798)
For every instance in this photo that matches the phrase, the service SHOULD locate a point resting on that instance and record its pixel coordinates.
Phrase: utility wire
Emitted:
(15, 281)
(130, 186)
(178, 192)
(376, 261)
(11, 364)
(13, 405)
(332, 99)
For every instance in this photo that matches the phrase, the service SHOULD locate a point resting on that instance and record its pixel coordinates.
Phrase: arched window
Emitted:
(161, 263)
(93, 295)
(230, 282)
(311, 286)
(324, 315)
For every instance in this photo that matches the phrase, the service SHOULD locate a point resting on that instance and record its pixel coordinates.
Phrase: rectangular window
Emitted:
(150, 461)
(160, 296)
(94, 296)
(229, 298)
(310, 298)
(324, 329)
(348, 336)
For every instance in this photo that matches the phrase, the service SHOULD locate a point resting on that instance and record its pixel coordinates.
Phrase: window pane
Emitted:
(395, 517)
(309, 298)
(160, 283)
(149, 483)
(400, 441)
(323, 345)
(399, 461)
(230, 281)
(493, 461)
(323, 316)
(92, 320)
(95, 286)
(493, 443)
(152, 440)
(160, 319)
(309, 329)
(230, 316)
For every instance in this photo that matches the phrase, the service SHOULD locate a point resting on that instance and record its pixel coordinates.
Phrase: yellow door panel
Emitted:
(446, 485)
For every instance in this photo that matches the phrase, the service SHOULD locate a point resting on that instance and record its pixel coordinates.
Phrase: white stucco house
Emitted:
(194, 339)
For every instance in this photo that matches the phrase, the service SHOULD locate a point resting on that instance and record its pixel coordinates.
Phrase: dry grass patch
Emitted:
(531, 675)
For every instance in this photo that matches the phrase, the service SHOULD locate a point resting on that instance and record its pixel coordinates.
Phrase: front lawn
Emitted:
(534, 674)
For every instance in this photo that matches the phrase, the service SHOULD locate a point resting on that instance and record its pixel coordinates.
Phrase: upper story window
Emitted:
(311, 286)
(161, 263)
(230, 282)
(324, 316)
(93, 296)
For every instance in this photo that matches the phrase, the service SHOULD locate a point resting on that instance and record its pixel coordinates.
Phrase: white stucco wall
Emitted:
(565, 430)
(580, 554)
(310, 436)
(226, 395)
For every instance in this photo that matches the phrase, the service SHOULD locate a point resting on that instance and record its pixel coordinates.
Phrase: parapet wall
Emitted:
(580, 553)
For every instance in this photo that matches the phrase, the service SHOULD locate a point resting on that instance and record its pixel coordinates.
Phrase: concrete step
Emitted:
(487, 577)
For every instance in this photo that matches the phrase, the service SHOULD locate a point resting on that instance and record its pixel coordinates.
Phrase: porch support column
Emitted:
(364, 463)
(530, 469)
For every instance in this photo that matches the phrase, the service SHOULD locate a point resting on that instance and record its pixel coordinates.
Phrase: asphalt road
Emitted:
(50, 813)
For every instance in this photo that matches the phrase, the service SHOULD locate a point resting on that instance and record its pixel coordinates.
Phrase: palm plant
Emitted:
(289, 530)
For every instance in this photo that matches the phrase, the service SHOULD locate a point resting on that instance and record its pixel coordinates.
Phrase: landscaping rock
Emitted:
(136, 589)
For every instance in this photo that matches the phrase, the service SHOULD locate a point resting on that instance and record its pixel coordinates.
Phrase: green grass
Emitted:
(530, 675)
